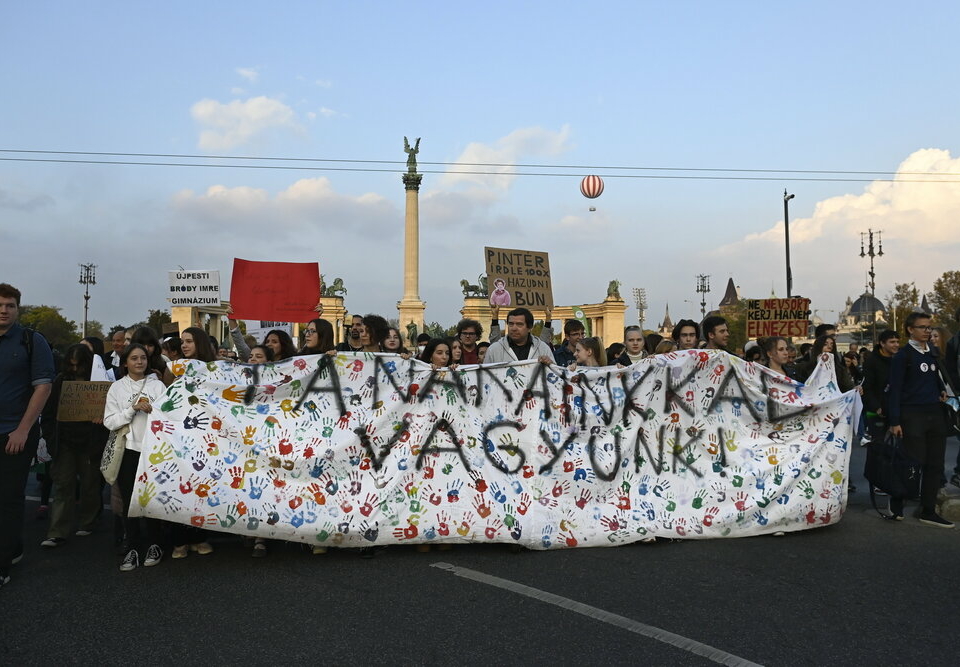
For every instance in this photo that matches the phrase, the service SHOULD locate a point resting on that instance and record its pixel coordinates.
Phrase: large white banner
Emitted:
(357, 450)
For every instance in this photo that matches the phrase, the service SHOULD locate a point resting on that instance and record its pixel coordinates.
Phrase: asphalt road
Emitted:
(863, 592)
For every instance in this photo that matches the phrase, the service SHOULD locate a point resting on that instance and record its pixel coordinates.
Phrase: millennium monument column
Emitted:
(411, 307)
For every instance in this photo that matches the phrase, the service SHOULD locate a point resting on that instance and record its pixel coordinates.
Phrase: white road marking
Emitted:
(683, 643)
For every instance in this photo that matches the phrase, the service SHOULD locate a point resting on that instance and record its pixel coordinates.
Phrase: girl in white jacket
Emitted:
(129, 402)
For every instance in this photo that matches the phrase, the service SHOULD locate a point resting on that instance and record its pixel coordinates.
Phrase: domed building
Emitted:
(867, 309)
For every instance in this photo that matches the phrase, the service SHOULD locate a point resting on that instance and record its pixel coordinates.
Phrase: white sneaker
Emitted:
(154, 556)
(131, 561)
(84, 533)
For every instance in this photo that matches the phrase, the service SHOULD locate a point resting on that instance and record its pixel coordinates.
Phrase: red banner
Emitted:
(279, 291)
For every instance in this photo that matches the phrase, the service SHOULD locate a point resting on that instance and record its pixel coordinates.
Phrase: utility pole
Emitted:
(786, 234)
(88, 276)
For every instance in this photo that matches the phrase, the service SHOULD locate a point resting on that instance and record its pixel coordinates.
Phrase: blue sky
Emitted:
(833, 86)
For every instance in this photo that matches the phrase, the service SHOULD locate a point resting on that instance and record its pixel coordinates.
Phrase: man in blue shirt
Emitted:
(26, 374)
(915, 396)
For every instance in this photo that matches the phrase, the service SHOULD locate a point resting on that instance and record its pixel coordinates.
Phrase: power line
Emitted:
(480, 164)
(480, 173)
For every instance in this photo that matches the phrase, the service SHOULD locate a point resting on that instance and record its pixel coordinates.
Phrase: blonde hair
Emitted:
(666, 345)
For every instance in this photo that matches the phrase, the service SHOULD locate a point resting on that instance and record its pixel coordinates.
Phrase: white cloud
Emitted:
(508, 150)
(324, 111)
(309, 205)
(917, 221)
(237, 90)
(323, 83)
(236, 122)
(251, 74)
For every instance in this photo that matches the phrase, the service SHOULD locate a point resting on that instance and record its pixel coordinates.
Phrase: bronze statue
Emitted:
(470, 290)
(613, 289)
(412, 334)
(411, 154)
(336, 289)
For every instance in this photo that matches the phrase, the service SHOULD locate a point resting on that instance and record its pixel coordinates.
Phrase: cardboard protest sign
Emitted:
(276, 291)
(360, 449)
(518, 278)
(194, 288)
(82, 401)
(778, 317)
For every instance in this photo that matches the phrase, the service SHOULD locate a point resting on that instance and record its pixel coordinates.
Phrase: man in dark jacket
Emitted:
(916, 415)
(876, 376)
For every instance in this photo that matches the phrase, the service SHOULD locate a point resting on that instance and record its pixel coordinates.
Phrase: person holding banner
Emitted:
(318, 338)
(635, 347)
(776, 354)
(686, 335)
(588, 353)
(77, 447)
(129, 403)
(196, 344)
(437, 354)
(518, 344)
(374, 329)
(394, 342)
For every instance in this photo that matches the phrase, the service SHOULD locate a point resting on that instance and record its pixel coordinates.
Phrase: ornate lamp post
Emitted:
(88, 276)
(640, 298)
(703, 288)
(871, 252)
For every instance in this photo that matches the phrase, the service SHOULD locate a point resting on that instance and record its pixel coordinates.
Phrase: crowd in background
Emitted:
(902, 384)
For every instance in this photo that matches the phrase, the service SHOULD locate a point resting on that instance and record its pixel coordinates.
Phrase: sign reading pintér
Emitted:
(778, 317)
(518, 278)
(194, 288)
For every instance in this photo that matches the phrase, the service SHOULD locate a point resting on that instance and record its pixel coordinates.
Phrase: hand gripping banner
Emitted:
(357, 450)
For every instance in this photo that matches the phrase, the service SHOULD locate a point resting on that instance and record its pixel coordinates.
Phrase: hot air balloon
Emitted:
(591, 187)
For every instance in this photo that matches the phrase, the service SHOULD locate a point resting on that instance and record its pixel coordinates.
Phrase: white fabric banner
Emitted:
(357, 450)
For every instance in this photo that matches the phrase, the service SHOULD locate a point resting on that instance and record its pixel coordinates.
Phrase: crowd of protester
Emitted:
(900, 385)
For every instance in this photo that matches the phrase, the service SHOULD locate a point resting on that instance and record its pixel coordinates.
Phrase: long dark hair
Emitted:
(201, 343)
(148, 338)
(287, 348)
(400, 350)
(431, 346)
(80, 355)
(324, 337)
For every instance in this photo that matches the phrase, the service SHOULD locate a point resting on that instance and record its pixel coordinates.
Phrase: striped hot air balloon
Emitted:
(591, 186)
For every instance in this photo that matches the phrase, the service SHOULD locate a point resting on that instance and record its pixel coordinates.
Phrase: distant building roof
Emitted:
(730, 296)
(865, 306)
(667, 322)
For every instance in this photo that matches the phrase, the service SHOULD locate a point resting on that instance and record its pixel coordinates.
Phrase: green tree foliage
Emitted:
(60, 332)
(945, 299)
(156, 319)
(94, 328)
(903, 300)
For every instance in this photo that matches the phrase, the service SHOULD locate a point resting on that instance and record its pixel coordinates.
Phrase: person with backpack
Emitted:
(26, 377)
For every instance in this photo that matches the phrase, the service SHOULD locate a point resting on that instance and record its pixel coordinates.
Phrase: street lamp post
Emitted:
(703, 288)
(871, 252)
(786, 236)
(88, 276)
(640, 298)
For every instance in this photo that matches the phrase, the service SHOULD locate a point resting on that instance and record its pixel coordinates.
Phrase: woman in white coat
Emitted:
(129, 403)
